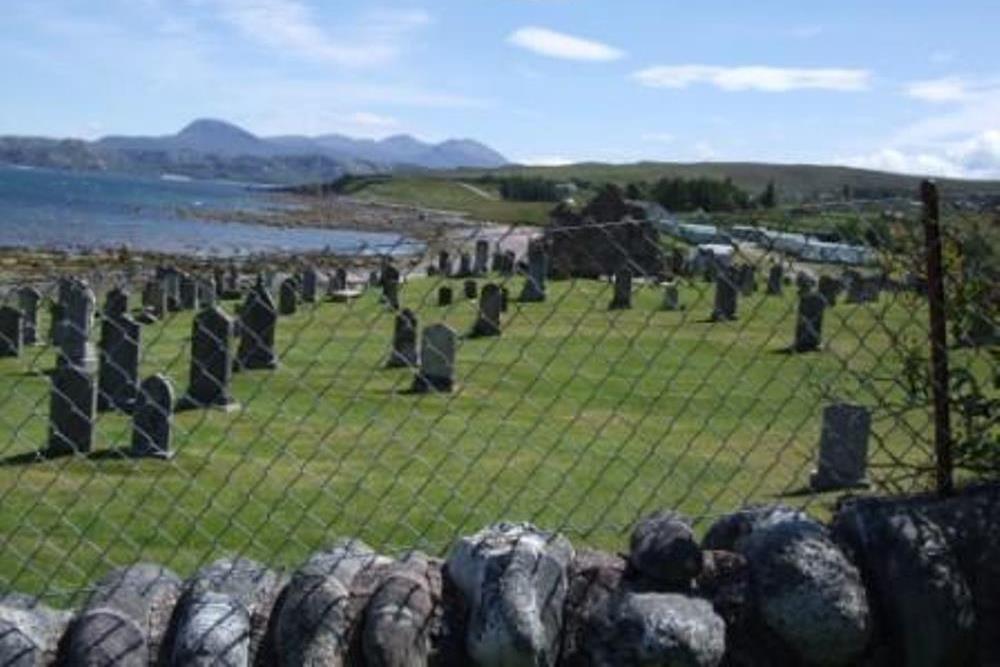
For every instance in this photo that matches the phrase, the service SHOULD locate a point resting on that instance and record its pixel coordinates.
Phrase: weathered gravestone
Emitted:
(829, 289)
(152, 419)
(490, 306)
(115, 303)
(310, 284)
(444, 263)
(404, 341)
(809, 322)
(622, 297)
(205, 287)
(338, 281)
(154, 299)
(464, 265)
(437, 360)
(288, 297)
(118, 364)
(671, 297)
(78, 306)
(189, 292)
(72, 410)
(496, 261)
(725, 295)
(534, 284)
(390, 286)
(509, 261)
(445, 295)
(258, 323)
(57, 309)
(211, 362)
(470, 289)
(231, 284)
(747, 275)
(805, 281)
(480, 263)
(843, 448)
(11, 331)
(863, 289)
(775, 279)
(28, 299)
(171, 280)
(219, 279)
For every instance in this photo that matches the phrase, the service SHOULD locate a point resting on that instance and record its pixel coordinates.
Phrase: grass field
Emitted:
(576, 418)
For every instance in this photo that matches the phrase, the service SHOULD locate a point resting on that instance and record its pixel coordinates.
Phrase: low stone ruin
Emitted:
(889, 582)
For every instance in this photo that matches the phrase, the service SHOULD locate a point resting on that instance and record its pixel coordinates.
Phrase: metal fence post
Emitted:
(938, 338)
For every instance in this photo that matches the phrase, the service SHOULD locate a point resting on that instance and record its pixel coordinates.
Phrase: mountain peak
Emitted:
(212, 127)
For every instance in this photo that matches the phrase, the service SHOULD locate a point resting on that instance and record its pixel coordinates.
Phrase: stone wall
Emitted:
(888, 582)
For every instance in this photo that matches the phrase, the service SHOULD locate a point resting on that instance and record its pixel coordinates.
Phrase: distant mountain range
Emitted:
(216, 149)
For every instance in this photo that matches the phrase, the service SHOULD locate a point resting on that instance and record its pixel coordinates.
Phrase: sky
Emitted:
(903, 86)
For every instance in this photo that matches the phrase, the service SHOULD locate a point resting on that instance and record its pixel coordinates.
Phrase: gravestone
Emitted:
(310, 284)
(205, 286)
(534, 284)
(464, 265)
(171, 279)
(154, 299)
(288, 297)
(444, 263)
(775, 280)
(231, 284)
(118, 363)
(390, 287)
(445, 295)
(258, 322)
(11, 331)
(78, 306)
(57, 310)
(490, 306)
(437, 360)
(509, 261)
(805, 281)
(843, 448)
(338, 281)
(404, 341)
(188, 292)
(829, 289)
(747, 279)
(72, 411)
(671, 297)
(809, 322)
(470, 289)
(374, 279)
(28, 299)
(863, 289)
(496, 262)
(116, 303)
(725, 296)
(622, 297)
(480, 263)
(152, 419)
(211, 362)
(504, 299)
(219, 280)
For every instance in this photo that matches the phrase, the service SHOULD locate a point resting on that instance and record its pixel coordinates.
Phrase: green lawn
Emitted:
(577, 418)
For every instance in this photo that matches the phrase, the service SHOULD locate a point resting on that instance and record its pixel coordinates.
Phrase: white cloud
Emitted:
(290, 27)
(760, 78)
(949, 89)
(975, 157)
(546, 161)
(560, 45)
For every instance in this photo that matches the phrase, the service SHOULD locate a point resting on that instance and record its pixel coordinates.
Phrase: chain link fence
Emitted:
(619, 361)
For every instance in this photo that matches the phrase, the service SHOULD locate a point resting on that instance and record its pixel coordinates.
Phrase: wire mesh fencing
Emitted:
(619, 361)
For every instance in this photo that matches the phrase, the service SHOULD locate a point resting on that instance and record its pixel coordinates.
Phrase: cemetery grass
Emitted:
(576, 418)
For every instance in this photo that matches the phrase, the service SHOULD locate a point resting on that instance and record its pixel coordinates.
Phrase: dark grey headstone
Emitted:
(258, 323)
(747, 275)
(154, 298)
(490, 306)
(863, 289)
(534, 284)
(726, 295)
(809, 322)
(211, 361)
(444, 263)
(11, 331)
(843, 448)
(207, 291)
(481, 262)
(72, 410)
(118, 365)
(437, 360)
(470, 289)
(445, 295)
(622, 298)
(390, 287)
(170, 277)
(77, 319)
(116, 302)
(288, 297)
(404, 341)
(188, 292)
(775, 279)
(152, 419)
(310, 284)
(28, 299)
(830, 289)
(464, 265)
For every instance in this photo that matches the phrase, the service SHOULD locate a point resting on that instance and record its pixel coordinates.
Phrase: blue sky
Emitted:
(907, 86)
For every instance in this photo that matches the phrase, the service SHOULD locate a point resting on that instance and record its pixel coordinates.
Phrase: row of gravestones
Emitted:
(479, 263)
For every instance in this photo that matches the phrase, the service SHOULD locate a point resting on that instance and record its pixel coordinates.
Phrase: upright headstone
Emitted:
(509, 261)
(464, 265)
(118, 364)
(310, 284)
(444, 263)
(863, 289)
(57, 309)
(207, 292)
(28, 299)
(829, 289)
(805, 281)
(843, 448)
(496, 262)
(671, 297)
(622, 297)
(219, 279)
(748, 279)
(809, 322)
(211, 362)
(154, 299)
(534, 284)
(152, 419)
(258, 323)
(775, 279)
(338, 281)
(445, 295)
(470, 289)
(437, 360)
(72, 410)
(404, 341)
(11, 331)
(76, 324)
(189, 292)
(480, 264)
(390, 286)
(171, 278)
(725, 295)
(490, 306)
(231, 285)
(116, 303)
(288, 297)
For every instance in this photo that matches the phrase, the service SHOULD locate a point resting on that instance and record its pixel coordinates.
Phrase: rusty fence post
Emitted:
(938, 338)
